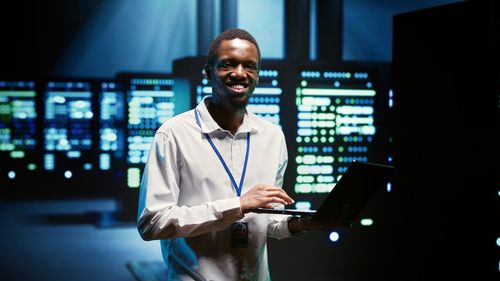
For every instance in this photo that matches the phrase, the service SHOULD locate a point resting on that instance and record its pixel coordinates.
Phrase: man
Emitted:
(208, 166)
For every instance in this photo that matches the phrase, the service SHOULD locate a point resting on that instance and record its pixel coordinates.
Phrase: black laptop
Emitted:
(346, 200)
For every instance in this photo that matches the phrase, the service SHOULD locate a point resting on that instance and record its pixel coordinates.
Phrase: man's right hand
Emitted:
(263, 196)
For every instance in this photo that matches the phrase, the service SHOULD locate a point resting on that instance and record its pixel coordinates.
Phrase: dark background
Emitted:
(446, 110)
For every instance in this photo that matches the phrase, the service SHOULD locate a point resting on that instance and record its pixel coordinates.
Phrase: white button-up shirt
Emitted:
(187, 199)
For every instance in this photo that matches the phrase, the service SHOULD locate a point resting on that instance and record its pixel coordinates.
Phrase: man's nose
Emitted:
(239, 71)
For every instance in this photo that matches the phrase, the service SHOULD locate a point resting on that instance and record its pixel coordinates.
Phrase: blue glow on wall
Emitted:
(131, 36)
(264, 19)
(367, 26)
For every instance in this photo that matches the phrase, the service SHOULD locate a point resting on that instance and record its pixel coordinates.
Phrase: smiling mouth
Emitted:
(238, 88)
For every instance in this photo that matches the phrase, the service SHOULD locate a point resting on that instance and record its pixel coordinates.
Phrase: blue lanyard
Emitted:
(238, 188)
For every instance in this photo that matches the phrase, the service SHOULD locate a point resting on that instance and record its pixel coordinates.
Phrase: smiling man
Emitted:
(233, 67)
(208, 166)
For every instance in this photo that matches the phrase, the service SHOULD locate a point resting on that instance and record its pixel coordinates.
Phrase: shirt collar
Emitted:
(208, 124)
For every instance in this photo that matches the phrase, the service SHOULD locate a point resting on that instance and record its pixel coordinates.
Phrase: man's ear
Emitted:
(207, 72)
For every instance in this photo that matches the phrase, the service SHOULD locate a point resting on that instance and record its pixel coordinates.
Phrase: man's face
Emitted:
(235, 74)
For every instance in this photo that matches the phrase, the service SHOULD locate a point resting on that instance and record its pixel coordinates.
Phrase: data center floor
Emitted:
(55, 240)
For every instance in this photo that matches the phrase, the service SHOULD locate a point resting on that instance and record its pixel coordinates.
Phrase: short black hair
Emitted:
(229, 34)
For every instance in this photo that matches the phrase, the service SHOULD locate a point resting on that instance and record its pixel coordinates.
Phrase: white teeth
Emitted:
(238, 87)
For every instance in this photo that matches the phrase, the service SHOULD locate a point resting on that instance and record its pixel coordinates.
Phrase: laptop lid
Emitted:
(352, 192)
(347, 199)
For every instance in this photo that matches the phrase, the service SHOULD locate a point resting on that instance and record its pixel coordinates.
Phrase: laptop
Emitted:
(347, 199)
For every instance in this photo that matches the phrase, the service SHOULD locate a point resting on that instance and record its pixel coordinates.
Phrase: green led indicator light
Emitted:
(298, 159)
(17, 94)
(366, 222)
(17, 154)
(133, 177)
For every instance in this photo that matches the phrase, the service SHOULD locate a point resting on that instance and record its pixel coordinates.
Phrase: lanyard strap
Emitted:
(239, 187)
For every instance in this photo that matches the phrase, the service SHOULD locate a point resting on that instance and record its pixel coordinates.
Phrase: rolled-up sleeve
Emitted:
(159, 215)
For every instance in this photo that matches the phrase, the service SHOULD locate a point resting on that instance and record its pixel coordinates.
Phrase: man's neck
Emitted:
(228, 118)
